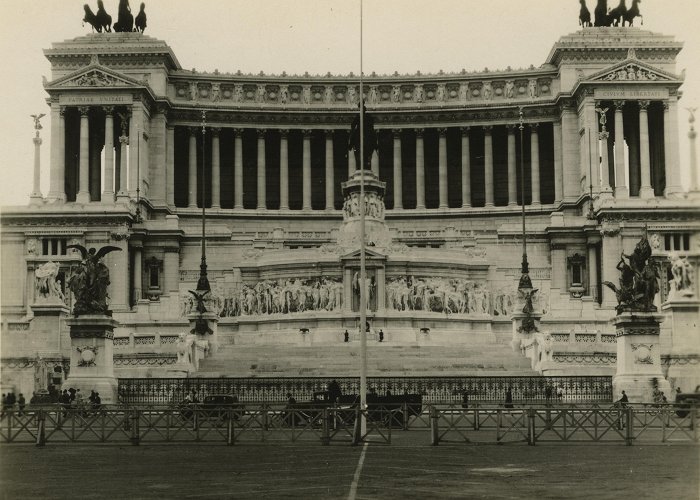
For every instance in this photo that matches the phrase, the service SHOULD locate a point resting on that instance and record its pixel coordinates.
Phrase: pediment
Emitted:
(369, 254)
(95, 76)
(632, 70)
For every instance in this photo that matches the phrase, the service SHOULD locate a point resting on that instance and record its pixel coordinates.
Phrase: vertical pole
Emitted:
(363, 270)
(434, 430)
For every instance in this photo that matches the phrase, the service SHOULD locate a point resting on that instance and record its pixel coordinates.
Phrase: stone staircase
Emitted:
(383, 359)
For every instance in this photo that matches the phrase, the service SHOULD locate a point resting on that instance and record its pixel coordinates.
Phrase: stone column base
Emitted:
(91, 357)
(639, 368)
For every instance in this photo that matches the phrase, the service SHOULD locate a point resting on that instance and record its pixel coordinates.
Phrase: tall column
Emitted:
(645, 191)
(171, 270)
(306, 171)
(57, 190)
(671, 160)
(692, 135)
(621, 190)
(398, 181)
(571, 152)
(36, 188)
(466, 170)
(192, 178)
(558, 164)
(284, 170)
(605, 188)
(512, 179)
(170, 165)
(135, 144)
(123, 195)
(488, 165)
(108, 192)
(347, 287)
(442, 166)
(610, 252)
(420, 170)
(535, 163)
(592, 271)
(330, 182)
(592, 162)
(262, 202)
(83, 195)
(215, 169)
(238, 168)
(138, 275)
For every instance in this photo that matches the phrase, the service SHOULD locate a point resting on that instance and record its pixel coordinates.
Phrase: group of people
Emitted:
(73, 399)
(10, 401)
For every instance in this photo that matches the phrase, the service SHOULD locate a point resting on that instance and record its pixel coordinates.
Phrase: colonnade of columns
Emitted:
(638, 147)
(330, 175)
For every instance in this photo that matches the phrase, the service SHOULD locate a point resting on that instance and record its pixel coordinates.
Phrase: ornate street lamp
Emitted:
(525, 283)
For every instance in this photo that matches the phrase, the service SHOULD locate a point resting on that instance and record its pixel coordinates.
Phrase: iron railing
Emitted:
(323, 424)
(572, 389)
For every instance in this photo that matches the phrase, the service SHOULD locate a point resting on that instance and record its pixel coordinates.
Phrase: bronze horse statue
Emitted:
(140, 21)
(631, 13)
(601, 14)
(125, 19)
(616, 15)
(584, 16)
(101, 20)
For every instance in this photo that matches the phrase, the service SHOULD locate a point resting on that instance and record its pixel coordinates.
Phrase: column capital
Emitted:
(193, 131)
(329, 133)
(124, 139)
(84, 110)
(261, 132)
(666, 104)
(37, 141)
(619, 105)
(284, 132)
(464, 130)
(488, 129)
(419, 132)
(643, 105)
(109, 110)
(442, 131)
(534, 126)
(396, 132)
(237, 132)
(306, 132)
(62, 110)
(215, 131)
(511, 127)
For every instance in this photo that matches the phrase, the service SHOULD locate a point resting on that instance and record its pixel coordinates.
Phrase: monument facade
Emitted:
(598, 143)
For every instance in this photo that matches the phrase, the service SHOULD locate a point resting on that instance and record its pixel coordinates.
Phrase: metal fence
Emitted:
(593, 389)
(271, 422)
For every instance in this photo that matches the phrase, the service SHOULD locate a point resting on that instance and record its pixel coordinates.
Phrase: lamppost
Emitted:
(201, 325)
(525, 283)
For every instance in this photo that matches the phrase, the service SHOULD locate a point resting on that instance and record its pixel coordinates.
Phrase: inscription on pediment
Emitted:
(631, 72)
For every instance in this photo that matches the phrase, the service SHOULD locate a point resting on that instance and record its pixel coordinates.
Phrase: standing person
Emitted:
(623, 400)
(21, 403)
(465, 399)
(548, 394)
(509, 398)
(4, 405)
(381, 335)
(347, 336)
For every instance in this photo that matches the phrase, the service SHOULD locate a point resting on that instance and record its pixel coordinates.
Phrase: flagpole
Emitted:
(363, 270)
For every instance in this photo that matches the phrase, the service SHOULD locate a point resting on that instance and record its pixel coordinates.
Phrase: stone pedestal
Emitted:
(376, 231)
(684, 358)
(639, 357)
(91, 357)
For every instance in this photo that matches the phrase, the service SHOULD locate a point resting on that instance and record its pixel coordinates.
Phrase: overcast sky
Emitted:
(309, 35)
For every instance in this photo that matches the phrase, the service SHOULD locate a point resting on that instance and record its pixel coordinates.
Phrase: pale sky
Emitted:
(309, 35)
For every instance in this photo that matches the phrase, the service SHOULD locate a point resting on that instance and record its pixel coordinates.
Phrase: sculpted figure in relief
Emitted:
(683, 274)
(396, 93)
(306, 94)
(238, 94)
(463, 92)
(261, 94)
(284, 94)
(532, 88)
(352, 95)
(47, 286)
(373, 95)
(510, 89)
(330, 95)
(487, 91)
(215, 92)
(419, 94)
(194, 91)
(441, 93)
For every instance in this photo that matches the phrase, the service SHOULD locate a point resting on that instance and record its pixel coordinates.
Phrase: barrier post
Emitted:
(405, 416)
(629, 431)
(694, 422)
(434, 430)
(531, 426)
(325, 432)
(41, 430)
(229, 428)
(477, 423)
(135, 434)
(357, 429)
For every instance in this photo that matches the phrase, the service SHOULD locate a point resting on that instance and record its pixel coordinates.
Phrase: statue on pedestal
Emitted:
(638, 280)
(683, 275)
(89, 282)
(370, 139)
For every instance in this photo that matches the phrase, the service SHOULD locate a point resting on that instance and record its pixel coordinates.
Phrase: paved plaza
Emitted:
(401, 470)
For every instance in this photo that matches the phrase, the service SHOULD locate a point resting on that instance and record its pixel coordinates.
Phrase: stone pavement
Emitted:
(305, 470)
